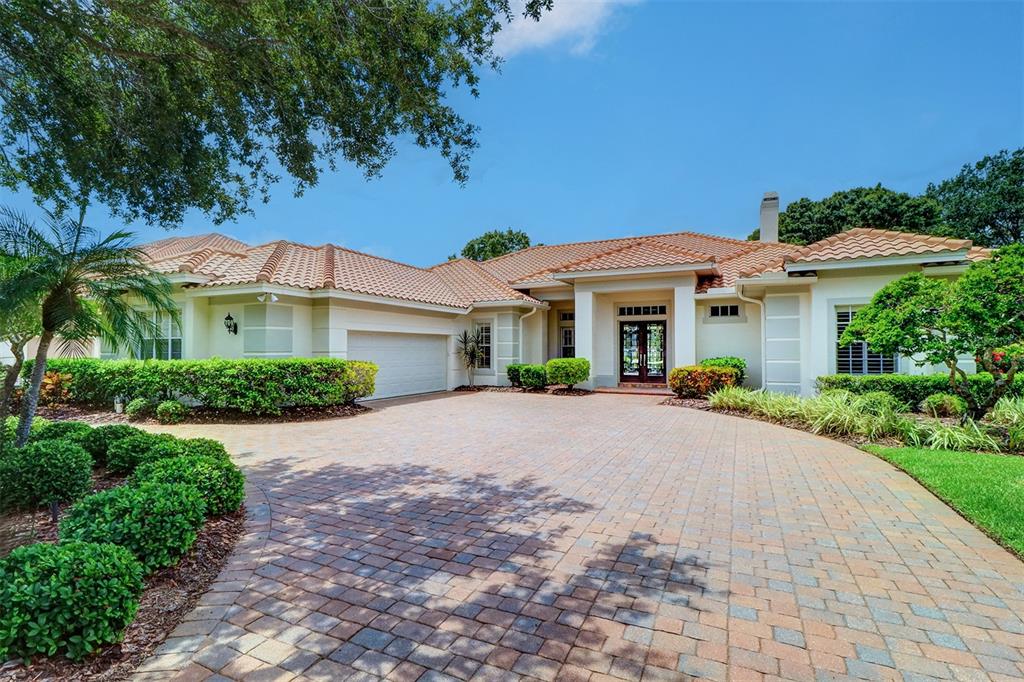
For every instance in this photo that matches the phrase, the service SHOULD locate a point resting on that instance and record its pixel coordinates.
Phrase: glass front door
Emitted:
(642, 352)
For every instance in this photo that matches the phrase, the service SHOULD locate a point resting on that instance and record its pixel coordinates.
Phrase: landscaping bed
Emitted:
(111, 534)
(549, 390)
(169, 595)
(96, 416)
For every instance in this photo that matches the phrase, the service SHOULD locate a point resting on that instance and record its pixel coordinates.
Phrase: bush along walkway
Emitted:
(131, 558)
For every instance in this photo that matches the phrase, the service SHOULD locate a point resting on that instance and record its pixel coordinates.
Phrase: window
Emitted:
(567, 317)
(857, 358)
(635, 310)
(267, 331)
(724, 311)
(484, 330)
(165, 344)
(568, 338)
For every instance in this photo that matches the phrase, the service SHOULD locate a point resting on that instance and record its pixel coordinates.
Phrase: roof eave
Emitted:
(631, 272)
(879, 261)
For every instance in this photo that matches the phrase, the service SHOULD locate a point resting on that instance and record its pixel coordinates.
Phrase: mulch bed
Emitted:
(203, 416)
(549, 390)
(169, 595)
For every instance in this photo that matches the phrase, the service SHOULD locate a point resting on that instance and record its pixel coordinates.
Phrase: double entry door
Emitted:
(642, 352)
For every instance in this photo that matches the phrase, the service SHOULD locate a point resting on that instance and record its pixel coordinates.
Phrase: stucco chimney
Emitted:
(770, 217)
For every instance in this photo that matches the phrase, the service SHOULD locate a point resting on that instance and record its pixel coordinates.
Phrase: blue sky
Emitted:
(634, 117)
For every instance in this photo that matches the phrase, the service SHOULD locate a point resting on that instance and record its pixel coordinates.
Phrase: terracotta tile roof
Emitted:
(763, 259)
(864, 242)
(226, 261)
(538, 263)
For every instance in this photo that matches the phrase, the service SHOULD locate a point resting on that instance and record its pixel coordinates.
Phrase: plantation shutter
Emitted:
(856, 358)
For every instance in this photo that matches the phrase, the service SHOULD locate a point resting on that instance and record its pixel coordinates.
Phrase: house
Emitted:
(635, 306)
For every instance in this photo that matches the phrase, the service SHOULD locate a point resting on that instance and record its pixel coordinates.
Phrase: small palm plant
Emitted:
(84, 284)
(471, 350)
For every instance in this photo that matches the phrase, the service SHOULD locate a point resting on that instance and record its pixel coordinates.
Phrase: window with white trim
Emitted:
(639, 310)
(568, 342)
(163, 341)
(724, 311)
(484, 330)
(857, 358)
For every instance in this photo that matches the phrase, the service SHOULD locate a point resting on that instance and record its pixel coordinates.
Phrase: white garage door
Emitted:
(407, 363)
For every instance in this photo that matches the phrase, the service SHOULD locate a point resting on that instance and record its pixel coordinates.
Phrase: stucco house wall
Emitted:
(738, 337)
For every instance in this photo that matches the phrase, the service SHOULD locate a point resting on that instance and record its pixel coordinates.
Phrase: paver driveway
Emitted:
(492, 536)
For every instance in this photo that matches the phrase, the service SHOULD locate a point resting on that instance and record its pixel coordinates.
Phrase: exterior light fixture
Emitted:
(263, 297)
(230, 324)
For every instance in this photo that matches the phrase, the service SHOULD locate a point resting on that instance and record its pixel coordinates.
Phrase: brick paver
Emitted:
(504, 536)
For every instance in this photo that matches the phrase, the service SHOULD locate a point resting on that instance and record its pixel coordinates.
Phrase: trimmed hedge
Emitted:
(72, 431)
(695, 381)
(44, 472)
(99, 440)
(512, 371)
(251, 386)
(171, 412)
(533, 376)
(73, 598)
(220, 482)
(125, 455)
(157, 522)
(739, 364)
(568, 371)
(911, 389)
(203, 447)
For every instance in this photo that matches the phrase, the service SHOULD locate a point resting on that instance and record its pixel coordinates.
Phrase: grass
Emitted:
(987, 489)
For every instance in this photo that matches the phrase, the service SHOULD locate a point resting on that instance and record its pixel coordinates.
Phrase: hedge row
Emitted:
(78, 595)
(911, 389)
(568, 371)
(252, 386)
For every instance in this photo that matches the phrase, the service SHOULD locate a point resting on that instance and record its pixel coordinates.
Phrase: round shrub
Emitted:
(126, 454)
(99, 440)
(171, 412)
(568, 371)
(739, 364)
(220, 482)
(944, 405)
(67, 430)
(70, 598)
(695, 381)
(45, 472)
(205, 447)
(10, 426)
(138, 408)
(533, 376)
(157, 522)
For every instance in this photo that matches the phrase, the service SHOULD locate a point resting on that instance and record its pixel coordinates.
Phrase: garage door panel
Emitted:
(407, 363)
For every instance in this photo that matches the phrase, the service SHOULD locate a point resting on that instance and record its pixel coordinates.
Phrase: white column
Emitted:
(195, 313)
(585, 330)
(684, 323)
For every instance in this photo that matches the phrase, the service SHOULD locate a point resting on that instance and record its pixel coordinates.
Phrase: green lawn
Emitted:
(987, 489)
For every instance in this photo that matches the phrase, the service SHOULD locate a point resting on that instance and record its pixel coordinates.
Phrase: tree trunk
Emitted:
(11, 380)
(31, 399)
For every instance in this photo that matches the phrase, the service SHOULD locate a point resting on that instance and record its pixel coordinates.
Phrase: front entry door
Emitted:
(642, 352)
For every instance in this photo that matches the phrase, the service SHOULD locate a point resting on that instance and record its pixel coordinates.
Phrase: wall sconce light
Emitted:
(263, 297)
(230, 324)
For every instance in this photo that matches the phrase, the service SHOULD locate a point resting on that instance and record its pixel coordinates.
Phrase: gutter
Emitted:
(764, 343)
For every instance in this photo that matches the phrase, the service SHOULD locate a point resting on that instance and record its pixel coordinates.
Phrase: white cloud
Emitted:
(575, 23)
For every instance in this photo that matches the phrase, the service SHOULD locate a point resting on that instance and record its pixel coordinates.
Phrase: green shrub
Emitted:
(1008, 412)
(251, 386)
(533, 376)
(138, 409)
(731, 398)
(205, 447)
(938, 435)
(70, 598)
(126, 454)
(943, 405)
(171, 412)
(739, 364)
(879, 403)
(694, 381)
(99, 440)
(72, 431)
(568, 371)
(912, 389)
(512, 371)
(10, 426)
(157, 522)
(220, 482)
(44, 472)
(1015, 437)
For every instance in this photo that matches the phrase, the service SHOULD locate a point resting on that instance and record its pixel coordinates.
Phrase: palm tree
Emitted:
(471, 350)
(85, 283)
